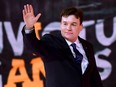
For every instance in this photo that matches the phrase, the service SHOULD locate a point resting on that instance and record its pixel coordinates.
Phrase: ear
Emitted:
(81, 27)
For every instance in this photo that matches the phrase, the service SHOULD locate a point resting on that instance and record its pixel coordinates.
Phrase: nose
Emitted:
(68, 27)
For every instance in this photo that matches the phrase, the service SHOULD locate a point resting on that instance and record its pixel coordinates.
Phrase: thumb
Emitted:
(38, 16)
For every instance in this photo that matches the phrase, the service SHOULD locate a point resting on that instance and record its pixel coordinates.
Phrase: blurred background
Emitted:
(20, 68)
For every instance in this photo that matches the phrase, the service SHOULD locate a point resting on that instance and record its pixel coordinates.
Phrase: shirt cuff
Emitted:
(27, 31)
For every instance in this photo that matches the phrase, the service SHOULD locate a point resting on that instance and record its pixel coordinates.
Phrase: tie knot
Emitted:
(79, 56)
(73, 45)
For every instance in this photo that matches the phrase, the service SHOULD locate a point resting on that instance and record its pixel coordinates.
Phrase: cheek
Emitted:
(76, 32)
(62, 26)
(63, 29)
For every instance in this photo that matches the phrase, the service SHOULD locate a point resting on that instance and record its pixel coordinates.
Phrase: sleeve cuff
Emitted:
(27, 31)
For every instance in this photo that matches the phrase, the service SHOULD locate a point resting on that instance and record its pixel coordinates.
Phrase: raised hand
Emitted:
(28, 16)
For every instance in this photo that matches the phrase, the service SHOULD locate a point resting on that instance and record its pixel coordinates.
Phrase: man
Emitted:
(69, 60)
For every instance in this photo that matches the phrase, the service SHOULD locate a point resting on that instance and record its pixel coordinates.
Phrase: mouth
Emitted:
(68, 32)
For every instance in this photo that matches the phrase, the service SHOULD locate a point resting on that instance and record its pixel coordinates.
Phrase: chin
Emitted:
(69, 39)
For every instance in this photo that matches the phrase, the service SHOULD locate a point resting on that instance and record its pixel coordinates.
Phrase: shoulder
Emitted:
(53, 35)
(85, 42)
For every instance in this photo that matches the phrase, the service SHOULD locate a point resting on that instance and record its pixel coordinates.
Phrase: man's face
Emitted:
(70, 27)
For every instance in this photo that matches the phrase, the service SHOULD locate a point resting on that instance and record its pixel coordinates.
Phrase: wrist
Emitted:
(29, 27)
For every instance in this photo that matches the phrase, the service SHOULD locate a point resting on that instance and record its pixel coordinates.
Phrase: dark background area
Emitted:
(11, 10)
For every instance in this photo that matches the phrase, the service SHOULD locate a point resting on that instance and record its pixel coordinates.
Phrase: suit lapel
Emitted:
(66, 49)
(86, 49)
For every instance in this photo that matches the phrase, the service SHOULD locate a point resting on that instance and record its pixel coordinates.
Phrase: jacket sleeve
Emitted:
(31, 42)
(96, 79)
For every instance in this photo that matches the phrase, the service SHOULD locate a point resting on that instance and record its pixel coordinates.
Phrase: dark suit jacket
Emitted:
(61, 69)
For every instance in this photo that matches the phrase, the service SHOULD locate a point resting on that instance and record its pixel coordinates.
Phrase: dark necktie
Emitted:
(78, 56)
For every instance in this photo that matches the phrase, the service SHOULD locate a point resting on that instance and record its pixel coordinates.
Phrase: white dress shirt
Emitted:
(79, 47)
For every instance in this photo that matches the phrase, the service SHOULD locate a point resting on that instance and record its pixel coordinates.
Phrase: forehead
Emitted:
(70, 18)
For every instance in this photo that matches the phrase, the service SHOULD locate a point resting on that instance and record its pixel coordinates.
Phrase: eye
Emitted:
(74, 24)
(64, 23)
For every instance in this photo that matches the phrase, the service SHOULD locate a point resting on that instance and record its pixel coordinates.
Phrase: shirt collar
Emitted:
(77, 42)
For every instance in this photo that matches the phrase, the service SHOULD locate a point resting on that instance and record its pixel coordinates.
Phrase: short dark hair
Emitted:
(73, 11)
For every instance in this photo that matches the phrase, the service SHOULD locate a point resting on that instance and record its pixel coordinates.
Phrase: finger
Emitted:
(31, 9)
(25, 9)
(28, 8)
(38, 16)
(23, 12)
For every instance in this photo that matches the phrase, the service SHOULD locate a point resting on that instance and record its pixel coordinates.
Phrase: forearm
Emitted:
(30, 40)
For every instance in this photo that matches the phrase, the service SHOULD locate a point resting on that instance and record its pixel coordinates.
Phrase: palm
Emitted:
(29, 18)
